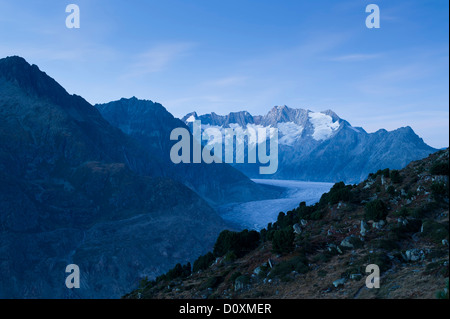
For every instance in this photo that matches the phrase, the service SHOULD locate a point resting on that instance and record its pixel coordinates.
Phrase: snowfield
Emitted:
(323, 125)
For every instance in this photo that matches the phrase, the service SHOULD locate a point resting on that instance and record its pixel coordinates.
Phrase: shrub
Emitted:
(395, 176)
(379, 259)
(230, 256)
(339, 192)
(438, 189)
(322, 273)
(443, 294)
(391, 190)
(203, 262)
(239, 243)
(325, 256)
(440, 168)
(375, 210)
(235, 275)
(243, 280)
(385, 172)
(403, 212)
(313, 212)
(386, 244)
(297, 263)
(213, 282)
(399, 232)
(435, 231)
(263, 235)
(317, 215)
(179, 271)
(283, 241)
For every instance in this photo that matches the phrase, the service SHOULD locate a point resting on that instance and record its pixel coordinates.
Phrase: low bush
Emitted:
(283, 269)
(375, 210)
(203, 262)
(283, 241)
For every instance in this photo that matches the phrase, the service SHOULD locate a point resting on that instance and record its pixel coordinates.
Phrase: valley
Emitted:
(257, 214)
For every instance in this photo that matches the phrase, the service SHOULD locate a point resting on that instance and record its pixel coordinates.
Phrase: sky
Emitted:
(231, 55)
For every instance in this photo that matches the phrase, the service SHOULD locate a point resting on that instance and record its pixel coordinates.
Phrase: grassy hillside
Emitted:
(397, 220)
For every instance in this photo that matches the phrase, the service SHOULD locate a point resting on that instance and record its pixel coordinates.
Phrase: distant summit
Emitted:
(151, 124)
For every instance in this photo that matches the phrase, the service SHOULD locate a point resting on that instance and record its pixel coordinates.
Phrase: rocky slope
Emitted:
(150, 124)
(75, 189)
(398, 220)
(320, 146)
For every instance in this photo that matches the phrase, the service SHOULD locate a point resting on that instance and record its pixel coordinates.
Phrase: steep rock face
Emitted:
(75, 189)
(151, 124)
(320, 146)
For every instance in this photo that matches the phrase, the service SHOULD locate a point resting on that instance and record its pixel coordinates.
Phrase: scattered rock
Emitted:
(402, 221)
(355, 276)
(378, 224)
(363, 228)
(347, 242)
(339, 282)
(413, 255)
(297, 229)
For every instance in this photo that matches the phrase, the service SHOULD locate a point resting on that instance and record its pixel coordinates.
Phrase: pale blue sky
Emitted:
(230, 55)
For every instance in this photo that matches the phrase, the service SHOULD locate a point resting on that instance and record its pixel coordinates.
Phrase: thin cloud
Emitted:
(228, 81)
(355, 57)
(158, 58)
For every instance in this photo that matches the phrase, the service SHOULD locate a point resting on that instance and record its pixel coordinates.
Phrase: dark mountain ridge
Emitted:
(75, 189)
(150, 124)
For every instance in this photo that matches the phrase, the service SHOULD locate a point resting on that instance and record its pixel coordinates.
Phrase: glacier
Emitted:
(255, 215)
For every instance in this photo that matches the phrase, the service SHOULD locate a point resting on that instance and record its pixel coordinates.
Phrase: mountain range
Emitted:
(150, 124)
(94, 186)
(320, 146)
(76, 189)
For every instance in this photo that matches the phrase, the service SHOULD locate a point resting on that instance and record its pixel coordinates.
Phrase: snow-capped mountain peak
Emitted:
(321, 146)
(323, 125)
(292, 124)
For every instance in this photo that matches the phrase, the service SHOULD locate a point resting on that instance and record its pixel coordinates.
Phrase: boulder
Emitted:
(346, 243)
(378, 224)
(297, 229)
(339, 282)
(414, 255)
(363, 228)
